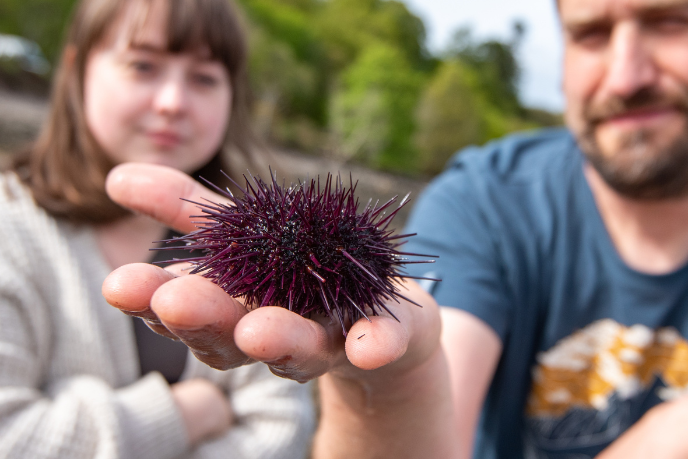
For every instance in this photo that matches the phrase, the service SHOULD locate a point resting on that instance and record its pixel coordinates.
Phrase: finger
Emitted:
(374, 344)
(203, 317)
(179, 269)
(156, 191)
(383, 340)
(130, 289)
(302, 349)
(293, 347)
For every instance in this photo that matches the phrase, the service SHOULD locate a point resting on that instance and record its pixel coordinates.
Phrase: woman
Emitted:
(156, 81)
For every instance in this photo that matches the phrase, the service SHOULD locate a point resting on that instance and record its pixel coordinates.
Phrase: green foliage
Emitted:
(326, 38)
(280, 80)
(39, 20)
(354, 77)
(473, 98)
(449, 115)
(458, 109)
(281, 32)
(347, 27)
(288, 22)
(372, 110)
(370, 68)
(496, 64)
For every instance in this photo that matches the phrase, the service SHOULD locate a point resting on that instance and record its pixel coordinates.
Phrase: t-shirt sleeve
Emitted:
(449, 223)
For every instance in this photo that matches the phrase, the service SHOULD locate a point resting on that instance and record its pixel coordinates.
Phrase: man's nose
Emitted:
(171, 97)
(630, 63)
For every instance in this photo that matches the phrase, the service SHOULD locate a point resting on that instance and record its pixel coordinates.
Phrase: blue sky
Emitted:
(540, 52)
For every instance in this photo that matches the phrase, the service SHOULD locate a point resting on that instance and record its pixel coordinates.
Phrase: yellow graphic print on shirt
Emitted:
(587, 368)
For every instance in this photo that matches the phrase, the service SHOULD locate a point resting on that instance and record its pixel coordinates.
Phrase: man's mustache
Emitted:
(644, 99)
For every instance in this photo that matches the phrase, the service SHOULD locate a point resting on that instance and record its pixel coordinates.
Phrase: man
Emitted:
(564, 263)
(576, 260)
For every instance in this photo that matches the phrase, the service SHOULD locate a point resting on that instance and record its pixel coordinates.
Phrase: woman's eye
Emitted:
(205, 80)
(143, 67)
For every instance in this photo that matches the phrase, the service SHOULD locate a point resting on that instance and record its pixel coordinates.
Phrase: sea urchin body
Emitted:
(303, 247)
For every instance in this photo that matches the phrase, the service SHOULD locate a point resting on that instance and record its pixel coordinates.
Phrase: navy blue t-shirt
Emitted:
(589, 344)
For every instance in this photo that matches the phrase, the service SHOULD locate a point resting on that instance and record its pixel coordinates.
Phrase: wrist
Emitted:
(406, 410)
(204, 409)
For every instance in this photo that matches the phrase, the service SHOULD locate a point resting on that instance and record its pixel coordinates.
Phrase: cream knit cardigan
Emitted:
(69, 382)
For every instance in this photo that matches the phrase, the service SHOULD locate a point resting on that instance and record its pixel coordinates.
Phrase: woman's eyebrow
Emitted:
(147, 46)
(202, 54)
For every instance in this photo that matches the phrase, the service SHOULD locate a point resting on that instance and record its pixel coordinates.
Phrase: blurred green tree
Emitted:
(348, 27)
(472, 98)
(329, 38)
(354, 71)
(42, 21)
(450, 115)
(287, 24)
(287, 21)
(496, 63)
(279, 80)
(372, 109)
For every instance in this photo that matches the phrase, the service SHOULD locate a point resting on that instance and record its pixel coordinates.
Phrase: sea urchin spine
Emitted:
(302, 247)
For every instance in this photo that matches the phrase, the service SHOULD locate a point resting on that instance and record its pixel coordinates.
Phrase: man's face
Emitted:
(626, 84)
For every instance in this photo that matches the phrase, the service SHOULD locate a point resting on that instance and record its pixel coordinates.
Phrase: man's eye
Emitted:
(591, 36)
(668, 24)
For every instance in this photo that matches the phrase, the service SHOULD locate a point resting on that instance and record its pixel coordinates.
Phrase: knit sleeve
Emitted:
(72, 415)
(60, 396)
(274, 417)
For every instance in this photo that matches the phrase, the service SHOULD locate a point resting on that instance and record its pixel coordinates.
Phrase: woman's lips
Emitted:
(165, 139)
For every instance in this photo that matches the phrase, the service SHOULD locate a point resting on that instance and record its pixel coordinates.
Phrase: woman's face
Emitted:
(145, 104)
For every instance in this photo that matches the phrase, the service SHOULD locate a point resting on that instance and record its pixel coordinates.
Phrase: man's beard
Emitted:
(644, 166)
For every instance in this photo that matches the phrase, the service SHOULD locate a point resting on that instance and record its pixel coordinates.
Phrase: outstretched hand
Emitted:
(218, 328)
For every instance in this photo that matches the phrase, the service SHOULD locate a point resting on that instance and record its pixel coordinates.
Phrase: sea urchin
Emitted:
(302, 247)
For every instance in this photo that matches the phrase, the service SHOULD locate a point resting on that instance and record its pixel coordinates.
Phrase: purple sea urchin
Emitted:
(302, 247)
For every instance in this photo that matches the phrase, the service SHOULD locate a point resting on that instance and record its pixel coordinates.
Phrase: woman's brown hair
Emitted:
(66, 168)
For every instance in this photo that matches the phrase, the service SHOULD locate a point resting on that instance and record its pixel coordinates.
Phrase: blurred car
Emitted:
(24, 52)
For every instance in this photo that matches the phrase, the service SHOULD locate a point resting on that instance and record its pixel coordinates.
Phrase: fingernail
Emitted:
(146, 314)
(279, 362)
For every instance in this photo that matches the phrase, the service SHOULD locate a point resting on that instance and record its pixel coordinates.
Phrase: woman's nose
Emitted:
(171, 97)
